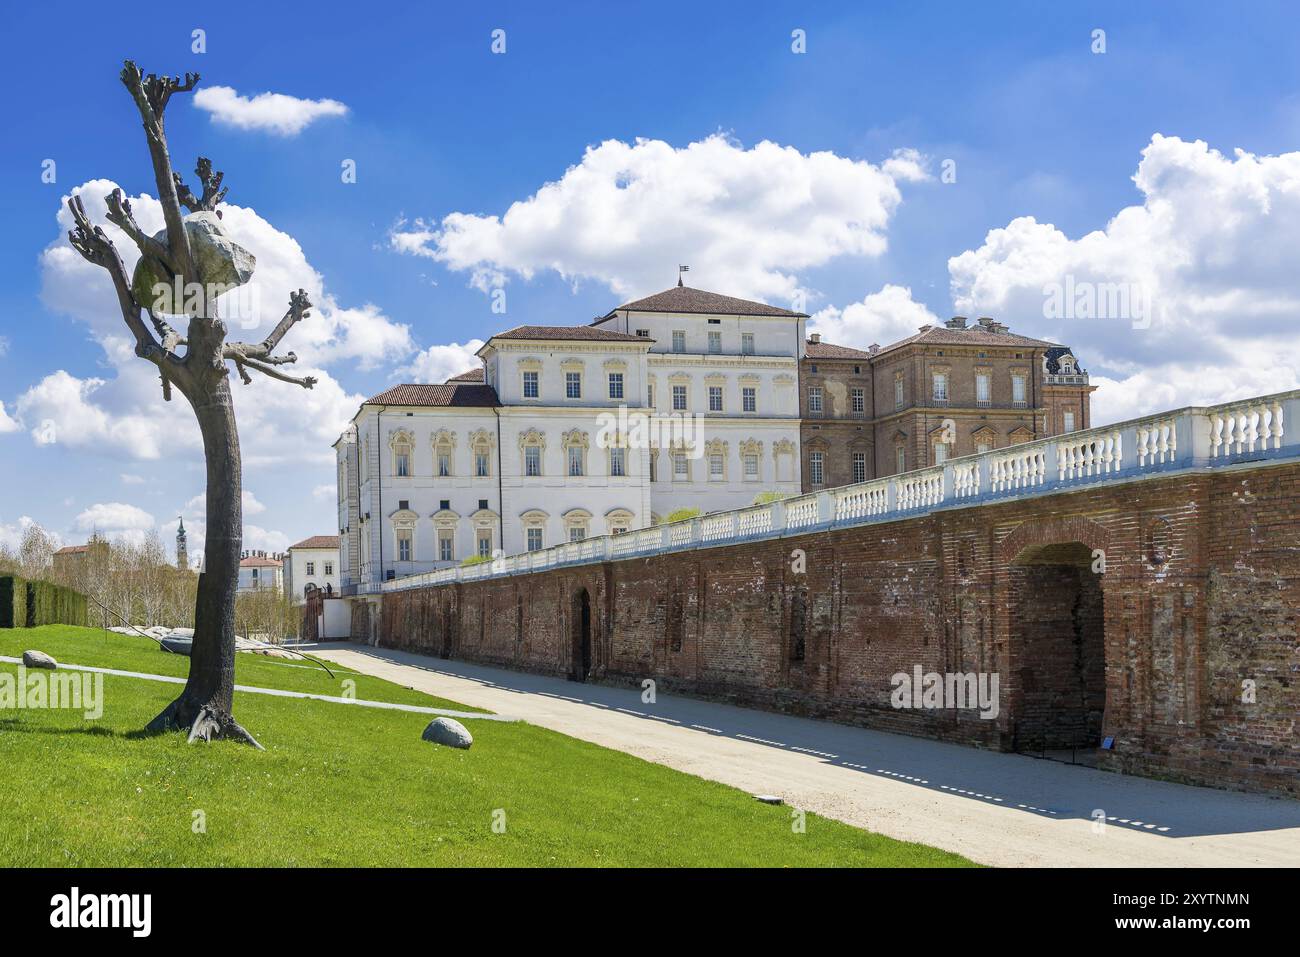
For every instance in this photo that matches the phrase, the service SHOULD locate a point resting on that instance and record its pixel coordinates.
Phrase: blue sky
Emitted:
(1037, 124)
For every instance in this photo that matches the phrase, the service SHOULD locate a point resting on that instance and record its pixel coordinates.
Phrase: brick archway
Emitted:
(1053, 623)
(1055, 531)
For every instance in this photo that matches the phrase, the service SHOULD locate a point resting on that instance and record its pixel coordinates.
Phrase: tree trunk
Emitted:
(206, 703)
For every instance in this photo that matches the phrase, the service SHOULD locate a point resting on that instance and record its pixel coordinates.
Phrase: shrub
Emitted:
(13, 602)
(767, 498)
(476, 560)
(681, 515)
(45, 603)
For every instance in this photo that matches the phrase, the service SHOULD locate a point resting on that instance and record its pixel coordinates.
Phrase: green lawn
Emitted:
(351, 786)
(105, 649)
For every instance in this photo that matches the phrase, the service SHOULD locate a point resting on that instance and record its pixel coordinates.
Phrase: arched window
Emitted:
(402, 444)
(444, 453)
(532, 445)
(577, 524)
(576, 443)
(480, 444)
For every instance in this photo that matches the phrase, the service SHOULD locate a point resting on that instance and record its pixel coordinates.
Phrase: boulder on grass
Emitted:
(39, 659)
(446, 731)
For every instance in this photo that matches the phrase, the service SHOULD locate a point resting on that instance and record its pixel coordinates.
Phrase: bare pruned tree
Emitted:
(198, 262)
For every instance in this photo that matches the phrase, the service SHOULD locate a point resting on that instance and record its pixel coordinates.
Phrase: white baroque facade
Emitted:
(685, 399)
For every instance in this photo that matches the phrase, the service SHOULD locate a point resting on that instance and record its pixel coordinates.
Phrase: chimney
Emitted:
(815, 338)
(956, 322)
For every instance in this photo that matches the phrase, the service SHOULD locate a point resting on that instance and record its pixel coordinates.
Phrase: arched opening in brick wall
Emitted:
(1057, 640)
(580, 624)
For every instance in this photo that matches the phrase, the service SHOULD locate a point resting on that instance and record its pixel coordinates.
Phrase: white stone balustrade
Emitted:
(1191, 438)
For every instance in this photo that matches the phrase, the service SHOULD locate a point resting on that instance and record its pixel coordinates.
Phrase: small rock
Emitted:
(446, 731)
(769, 798)
(39, 659)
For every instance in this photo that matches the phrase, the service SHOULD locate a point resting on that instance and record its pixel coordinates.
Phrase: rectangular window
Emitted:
(859, 400)
(679, 398)
(983, 446)
(681, 467)
(898, 392)
(751, 467)
(747, 343)
(573, 385)
(650, 395)
(404, 546)
(481, 464)
(534, 539)
(577, 533)
(484, 543)
(616, 385)
(654, 465)
(617, 529)
(643, 333)
(444, 465)
(311, 568)
(715, 398)
(403, 465)
(533, 460)
(859, 466)
(749, 399)
(716, 467)
(329, 568)
(618, 462)
(982, 388)
(715, 342)
(815, 399)
(575, 460)
(900, 459)
(679, 340)
(941, 387)
(530, 385)
(1069, 422)
(940, 453)
(815, 470)
(1018, 389)
(446, 546)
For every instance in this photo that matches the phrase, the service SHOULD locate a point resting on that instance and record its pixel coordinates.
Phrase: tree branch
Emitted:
(306, 381)
(213, 192)
(95, 247)
(121, 216)
(151, 94)
(299, 309)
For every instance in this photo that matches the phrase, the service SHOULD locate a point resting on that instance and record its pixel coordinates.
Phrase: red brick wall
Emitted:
(1201, 591)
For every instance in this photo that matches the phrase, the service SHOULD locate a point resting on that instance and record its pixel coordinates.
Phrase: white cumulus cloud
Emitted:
(879, 318)
(1206, 265)
(746, 220)
(276, 113)
(440, 363)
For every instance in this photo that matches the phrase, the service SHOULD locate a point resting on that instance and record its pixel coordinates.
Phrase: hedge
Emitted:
(26, 604)
(13, 602)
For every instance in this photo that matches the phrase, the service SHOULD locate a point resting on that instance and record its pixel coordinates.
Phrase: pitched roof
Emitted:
(469, 375)
(257, 561)
(689, 300)
(969, 336)
(318, 541)
(568, 333)
(72, 550)
(827, 350)
(459, 394)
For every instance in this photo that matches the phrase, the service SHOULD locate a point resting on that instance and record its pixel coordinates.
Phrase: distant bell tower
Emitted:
(182, 553)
